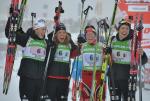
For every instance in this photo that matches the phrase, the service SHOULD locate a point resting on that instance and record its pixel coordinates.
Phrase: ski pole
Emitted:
(92, 93)
(86, 11)
(133, 63)
(103, 27)
(58, 12)
(33, 15)
(81, 20)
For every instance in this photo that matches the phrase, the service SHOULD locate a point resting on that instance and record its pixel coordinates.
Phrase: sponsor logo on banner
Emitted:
(137, 1)
(134, 8)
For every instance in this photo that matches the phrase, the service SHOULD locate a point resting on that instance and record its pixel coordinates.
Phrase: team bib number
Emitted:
(40, 52)
(90, 60)
(62, 56)
(121, 56)
(35, 52)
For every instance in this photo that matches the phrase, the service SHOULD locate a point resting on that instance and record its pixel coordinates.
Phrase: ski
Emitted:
(112, 21)
(133, 69)
(21, 13)
(103, 28)
(16, 17)
(139, 61)
(76, 76)
(11, 47)
(106, 65)
(112, 83)
(104, 70)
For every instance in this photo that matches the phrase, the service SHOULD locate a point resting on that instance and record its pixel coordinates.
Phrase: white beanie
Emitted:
(39, 23)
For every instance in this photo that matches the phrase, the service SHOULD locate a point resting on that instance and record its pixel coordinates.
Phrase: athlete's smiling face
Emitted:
(123, 31)
(41, 32)
(61, 35)
(90, 37)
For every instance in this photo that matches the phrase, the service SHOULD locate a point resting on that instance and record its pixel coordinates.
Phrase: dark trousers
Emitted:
(30, 88)
(57, 89)
(121, 90)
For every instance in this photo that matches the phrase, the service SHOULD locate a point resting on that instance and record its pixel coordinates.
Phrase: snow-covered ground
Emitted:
(13, 93)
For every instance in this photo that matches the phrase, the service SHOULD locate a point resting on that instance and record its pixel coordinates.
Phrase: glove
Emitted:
(50, 36)
(56, 18)
(20, 31)
(108, 50)
(51, 43)
(73, 46)
(81, 39)
(61, 10)
(11, 10)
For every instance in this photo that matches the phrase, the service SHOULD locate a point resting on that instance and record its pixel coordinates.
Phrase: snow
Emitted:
(13, 93)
